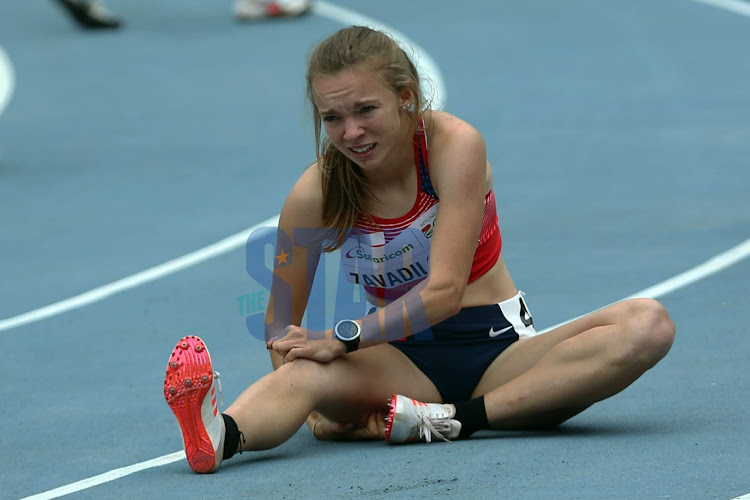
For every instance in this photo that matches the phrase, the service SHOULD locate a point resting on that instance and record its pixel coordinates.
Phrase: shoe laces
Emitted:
(217, 376)
(437, 427)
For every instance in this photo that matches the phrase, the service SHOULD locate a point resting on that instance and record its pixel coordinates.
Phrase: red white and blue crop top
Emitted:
(390, 256)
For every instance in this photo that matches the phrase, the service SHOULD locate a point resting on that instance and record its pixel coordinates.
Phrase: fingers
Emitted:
(293, 336)
(299, 352)
(375, 425)
(270, 342)
(313, 352)
(323, 351)
(328, 430)
(364, 434)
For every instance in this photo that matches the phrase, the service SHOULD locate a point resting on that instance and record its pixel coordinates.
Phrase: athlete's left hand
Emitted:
(297, 343)
(325, 429)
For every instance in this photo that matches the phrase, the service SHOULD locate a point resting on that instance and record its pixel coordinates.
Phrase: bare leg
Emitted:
(347, 389)
(544, 380)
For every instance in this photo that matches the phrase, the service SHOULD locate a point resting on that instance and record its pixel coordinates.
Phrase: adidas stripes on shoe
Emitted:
(409, 420)
(190, 388)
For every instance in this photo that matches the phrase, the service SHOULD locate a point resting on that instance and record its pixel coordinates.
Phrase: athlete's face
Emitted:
(362, 117)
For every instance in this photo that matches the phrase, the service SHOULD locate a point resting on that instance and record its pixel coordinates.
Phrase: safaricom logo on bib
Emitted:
(358, 253)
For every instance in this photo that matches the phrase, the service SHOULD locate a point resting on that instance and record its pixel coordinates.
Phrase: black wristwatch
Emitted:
(348, 332)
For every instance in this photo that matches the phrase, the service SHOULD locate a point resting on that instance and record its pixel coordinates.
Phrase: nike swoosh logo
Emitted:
(494, 333)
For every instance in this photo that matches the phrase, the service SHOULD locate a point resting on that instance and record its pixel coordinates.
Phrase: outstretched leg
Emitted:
(348, 389)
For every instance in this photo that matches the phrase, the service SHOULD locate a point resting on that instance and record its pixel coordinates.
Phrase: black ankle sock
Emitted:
(232, 436)
(472, 415)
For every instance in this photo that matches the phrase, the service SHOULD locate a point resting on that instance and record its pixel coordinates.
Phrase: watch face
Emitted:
(347, 329)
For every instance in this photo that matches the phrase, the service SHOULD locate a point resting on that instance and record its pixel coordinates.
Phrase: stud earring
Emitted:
(409, 108)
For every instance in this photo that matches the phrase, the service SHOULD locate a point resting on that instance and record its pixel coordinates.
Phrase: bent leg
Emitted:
(544, 380)
(347, 389)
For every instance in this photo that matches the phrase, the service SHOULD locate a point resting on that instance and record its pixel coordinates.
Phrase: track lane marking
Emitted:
(735, 6)
(667, 286)
(135, 280)
(711, 266)
(425, 64)
(7, 80)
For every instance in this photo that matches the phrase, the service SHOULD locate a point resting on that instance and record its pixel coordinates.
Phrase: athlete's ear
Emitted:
(407, 97)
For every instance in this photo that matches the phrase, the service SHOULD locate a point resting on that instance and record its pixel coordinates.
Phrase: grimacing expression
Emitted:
(360, 115)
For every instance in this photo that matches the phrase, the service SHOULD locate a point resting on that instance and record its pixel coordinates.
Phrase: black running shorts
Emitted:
(455, 353)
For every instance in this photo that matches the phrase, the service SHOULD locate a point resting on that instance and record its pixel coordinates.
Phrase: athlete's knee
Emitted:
(650, 331)
(305, 373)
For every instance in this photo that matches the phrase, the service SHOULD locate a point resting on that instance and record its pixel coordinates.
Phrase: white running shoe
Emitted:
(250, 10)
(410, 420)
(190, 390)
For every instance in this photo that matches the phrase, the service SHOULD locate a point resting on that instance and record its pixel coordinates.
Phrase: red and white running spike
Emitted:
(190, 386)
(410, 420)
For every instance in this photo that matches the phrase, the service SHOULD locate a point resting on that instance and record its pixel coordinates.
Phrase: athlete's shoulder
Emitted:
(446, 127)
(454, 146)
(304, 203)
(309, 183)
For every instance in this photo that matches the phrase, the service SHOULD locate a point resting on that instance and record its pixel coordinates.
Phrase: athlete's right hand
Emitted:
(297, 343)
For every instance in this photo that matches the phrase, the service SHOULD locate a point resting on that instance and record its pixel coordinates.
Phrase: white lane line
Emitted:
(426, 65)
(134, 280)
(345, 16)
(108, 476)
(173, 457)
(742, 8)
(736, 6)
(714, 265)
(711, 266)
(7, 80)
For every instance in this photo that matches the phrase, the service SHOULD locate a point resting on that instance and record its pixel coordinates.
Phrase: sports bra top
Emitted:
(390, 256)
